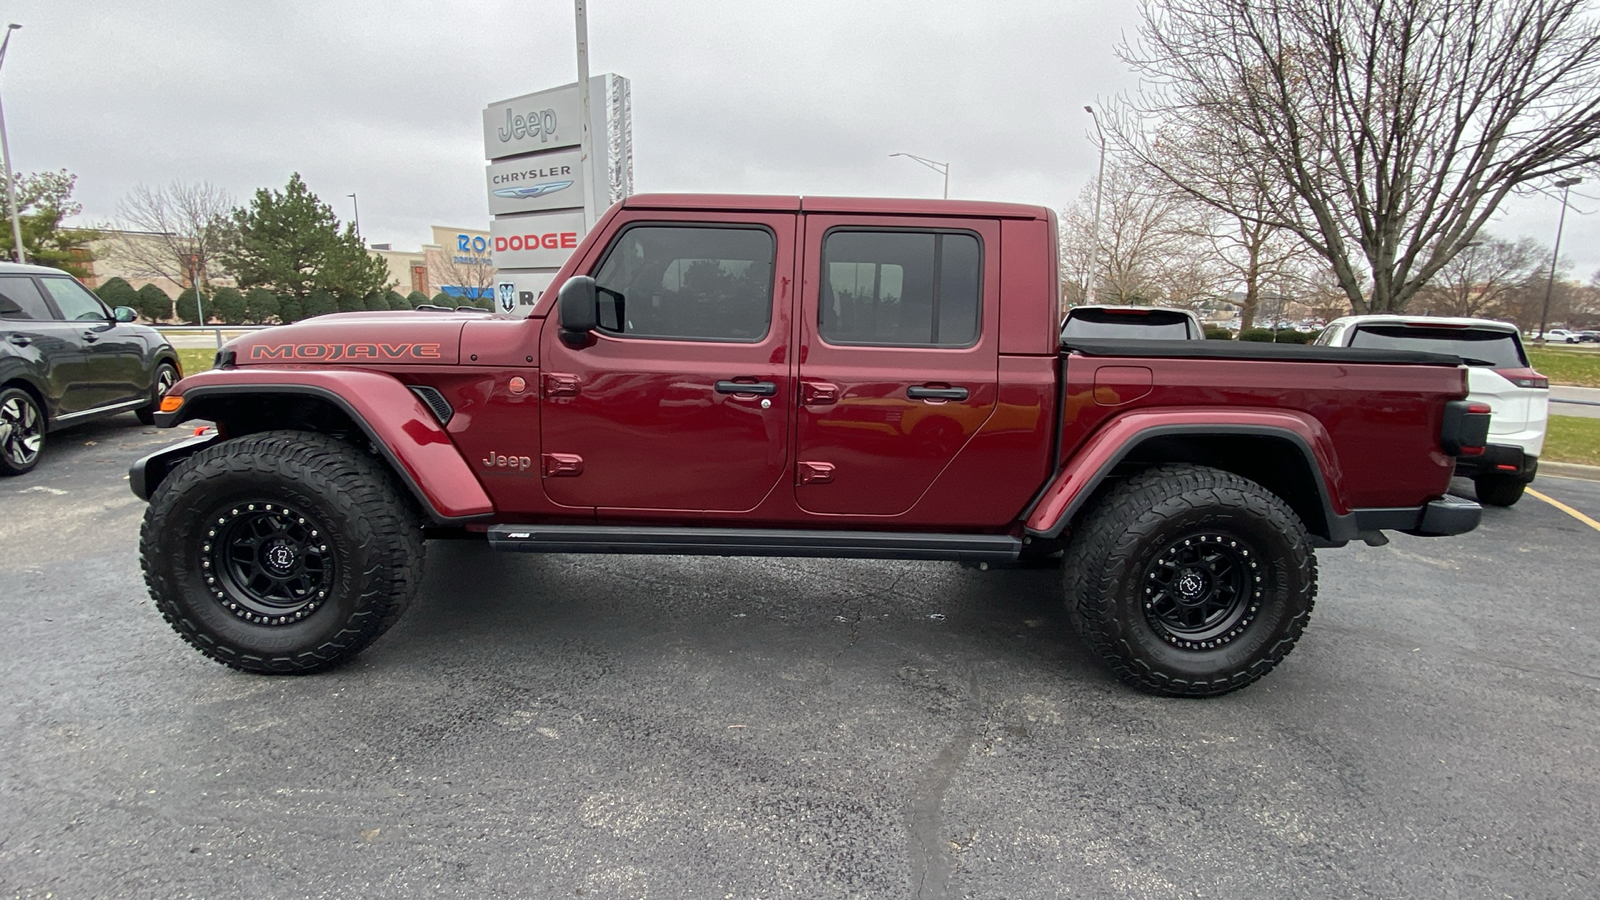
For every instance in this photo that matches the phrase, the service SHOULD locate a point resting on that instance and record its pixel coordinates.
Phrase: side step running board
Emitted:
(754, 542)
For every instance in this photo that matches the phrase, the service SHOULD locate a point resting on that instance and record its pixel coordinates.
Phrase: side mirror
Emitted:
(579, 310)
(125, 314)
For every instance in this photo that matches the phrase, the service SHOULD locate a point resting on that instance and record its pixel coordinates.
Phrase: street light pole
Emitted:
(1544, 317)
(942, 168)
(357, 205)
(1099, 187)
(5, 154)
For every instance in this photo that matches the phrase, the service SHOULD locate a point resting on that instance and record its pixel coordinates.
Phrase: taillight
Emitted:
(1466, 428)
(1524, 378)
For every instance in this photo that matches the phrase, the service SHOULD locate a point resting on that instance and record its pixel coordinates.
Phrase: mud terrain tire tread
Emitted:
(1113, 543)
(379, 536)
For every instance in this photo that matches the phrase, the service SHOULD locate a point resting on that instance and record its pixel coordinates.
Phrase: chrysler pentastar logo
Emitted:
(533, 190)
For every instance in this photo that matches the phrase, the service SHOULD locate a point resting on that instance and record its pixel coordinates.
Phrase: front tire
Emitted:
(21, 432)
(166, 375)
(281, 552)
(1190, 581)
(1499, 490)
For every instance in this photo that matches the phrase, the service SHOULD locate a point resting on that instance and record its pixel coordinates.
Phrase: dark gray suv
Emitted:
(65, 358)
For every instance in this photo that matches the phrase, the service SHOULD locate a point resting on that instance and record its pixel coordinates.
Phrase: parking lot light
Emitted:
(5, 156)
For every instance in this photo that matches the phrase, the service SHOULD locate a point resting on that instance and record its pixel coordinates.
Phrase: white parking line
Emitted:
(1566, 509)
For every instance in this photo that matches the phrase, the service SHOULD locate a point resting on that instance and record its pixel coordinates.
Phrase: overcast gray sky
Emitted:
(384, 98)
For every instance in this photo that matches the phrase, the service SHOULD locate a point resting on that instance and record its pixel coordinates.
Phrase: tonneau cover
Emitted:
(1252, 350)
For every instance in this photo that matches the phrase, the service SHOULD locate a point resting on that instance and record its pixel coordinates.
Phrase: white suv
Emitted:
(1498, 374)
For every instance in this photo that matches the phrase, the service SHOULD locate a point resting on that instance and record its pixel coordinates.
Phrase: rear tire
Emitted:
(166, 375)
(281, 552)
(1499, 490)
(1190, 581)
(22, 432)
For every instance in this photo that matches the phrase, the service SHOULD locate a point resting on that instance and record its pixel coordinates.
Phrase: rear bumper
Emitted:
(1499, 459)
(1446, 515)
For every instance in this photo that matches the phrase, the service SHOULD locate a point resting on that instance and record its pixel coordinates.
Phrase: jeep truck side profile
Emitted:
(778, 376)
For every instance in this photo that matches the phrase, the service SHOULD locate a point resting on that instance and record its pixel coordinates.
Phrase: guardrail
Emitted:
(209, 329)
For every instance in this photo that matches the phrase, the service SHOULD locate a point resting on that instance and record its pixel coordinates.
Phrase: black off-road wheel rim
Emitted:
(21, 430)
(1203, 590)
(267, 562)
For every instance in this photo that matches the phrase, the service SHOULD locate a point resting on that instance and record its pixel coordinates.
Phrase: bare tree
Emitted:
(1383, 133)
(469, 270)
(1482, 278)
(160, 231)
(1145, 251)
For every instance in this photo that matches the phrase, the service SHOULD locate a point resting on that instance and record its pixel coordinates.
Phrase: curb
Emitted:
(1569, 470)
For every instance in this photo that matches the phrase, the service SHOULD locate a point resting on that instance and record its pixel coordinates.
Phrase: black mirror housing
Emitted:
(577, 305)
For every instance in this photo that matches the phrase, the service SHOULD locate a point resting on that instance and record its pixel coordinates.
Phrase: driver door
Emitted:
(681, 399)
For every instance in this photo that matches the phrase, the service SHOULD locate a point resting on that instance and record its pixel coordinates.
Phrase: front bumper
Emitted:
(1499, 459)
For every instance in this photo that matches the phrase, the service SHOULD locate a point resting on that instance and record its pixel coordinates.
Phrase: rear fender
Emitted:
(395, 422)
(1325, 513)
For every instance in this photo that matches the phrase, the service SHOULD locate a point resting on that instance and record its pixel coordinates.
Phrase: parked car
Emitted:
(912, 401)
(1498, 374)
(1589, 337)
(1150, 323)
(65, 358)
(1560, 336)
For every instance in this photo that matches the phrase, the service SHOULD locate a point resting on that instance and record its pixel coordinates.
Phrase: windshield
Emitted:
(1155, 324)
(1475, 346)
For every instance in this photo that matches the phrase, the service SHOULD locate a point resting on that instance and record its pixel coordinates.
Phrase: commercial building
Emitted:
(459, 262)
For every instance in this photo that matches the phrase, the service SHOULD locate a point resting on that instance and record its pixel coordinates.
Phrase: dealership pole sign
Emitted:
(538, 181)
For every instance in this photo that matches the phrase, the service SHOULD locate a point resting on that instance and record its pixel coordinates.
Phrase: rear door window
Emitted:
(1152, 325)
(900, 288)
(20, 299)
(1476, 346)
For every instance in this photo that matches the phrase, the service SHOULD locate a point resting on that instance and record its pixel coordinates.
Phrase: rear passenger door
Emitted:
(33, 334)
(899, 356)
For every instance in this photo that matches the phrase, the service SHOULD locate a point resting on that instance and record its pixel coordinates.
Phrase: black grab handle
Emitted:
(930, 393)
(761, 388)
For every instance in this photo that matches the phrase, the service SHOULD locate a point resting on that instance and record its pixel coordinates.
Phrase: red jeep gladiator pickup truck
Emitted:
(777, 376)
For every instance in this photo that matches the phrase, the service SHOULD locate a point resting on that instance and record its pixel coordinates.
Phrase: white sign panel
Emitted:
(547, 181)
(546, 120)
(516, 292)
(536, 241)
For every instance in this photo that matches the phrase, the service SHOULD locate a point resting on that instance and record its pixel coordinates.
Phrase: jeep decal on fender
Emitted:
(345, 352)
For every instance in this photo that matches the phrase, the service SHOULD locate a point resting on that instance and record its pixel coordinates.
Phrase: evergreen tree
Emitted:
(118, 292)
(350, 303)
(443, 299)
(375, 302)
(44, 201)
(291, 242)
(290, 310)
(153, 303)
(417, 298)
(395, 301)
(186, 307)
(318, 303)
(260, 305)
(228, 305)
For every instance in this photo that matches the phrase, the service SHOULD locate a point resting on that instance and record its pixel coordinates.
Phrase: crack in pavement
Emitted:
(932, 863)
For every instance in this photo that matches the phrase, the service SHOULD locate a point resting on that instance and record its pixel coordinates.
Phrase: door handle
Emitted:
(21, 340)
(923, 392)
(759, 388)
(90, 336)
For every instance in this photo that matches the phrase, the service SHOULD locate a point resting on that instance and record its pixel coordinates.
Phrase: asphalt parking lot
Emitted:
(598, 727)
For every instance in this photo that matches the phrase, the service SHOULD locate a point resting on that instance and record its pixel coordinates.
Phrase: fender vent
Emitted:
(435, 401)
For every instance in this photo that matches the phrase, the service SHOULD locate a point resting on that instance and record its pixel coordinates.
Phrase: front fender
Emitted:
(395, 421)
(1094, 461)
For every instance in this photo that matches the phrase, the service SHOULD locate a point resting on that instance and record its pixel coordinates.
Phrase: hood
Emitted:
(375, 338)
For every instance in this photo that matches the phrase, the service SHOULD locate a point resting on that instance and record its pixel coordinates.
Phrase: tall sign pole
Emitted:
(586, 141)
(5, 153)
